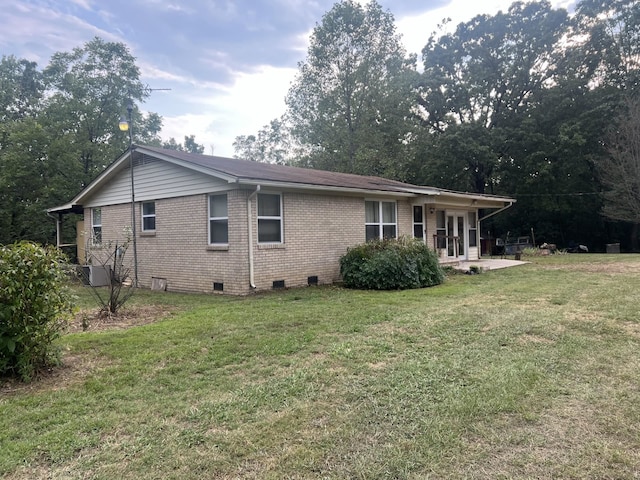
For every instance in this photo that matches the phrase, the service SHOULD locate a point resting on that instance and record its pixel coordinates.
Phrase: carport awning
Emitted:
(67, 208)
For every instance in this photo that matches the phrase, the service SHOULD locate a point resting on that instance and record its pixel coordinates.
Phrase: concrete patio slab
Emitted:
(489, 264)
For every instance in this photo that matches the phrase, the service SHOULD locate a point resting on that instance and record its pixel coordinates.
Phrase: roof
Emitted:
(246, 172)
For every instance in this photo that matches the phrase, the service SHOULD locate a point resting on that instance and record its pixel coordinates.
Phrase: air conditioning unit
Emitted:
(96, 275)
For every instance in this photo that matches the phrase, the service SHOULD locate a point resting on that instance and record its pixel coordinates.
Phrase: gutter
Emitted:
(479, 228)
(495, 213)
(323, 188)
(250, 229)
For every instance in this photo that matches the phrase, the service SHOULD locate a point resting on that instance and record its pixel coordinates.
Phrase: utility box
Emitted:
(613, 248)
(96, 276)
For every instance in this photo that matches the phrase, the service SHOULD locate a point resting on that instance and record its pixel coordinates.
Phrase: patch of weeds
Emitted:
(450, 271)
(475, 270)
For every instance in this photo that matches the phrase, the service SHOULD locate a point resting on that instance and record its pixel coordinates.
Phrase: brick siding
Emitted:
(317, 231)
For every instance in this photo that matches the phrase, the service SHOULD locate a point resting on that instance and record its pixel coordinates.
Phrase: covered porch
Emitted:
(450, 222)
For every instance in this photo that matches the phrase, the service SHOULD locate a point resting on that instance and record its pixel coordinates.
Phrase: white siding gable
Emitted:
(154, 179)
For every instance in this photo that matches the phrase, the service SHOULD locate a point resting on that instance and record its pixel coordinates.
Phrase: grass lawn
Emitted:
(527, 372)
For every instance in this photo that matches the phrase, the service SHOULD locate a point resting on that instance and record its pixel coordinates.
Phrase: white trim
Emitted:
(96, 225)
(455, 232)
(279, 218)
(143, 216)
(381, 223)
(283, 186)
(423, 222)
(475, 227)
(217, 244)
(419, 194)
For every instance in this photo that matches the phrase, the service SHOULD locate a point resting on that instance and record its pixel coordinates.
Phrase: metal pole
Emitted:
(133, 198)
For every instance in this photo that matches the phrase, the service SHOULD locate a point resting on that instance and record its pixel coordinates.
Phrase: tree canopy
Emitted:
(518, 103)
(351, 101)
(620, 169)
(59, 129)
(530, 102)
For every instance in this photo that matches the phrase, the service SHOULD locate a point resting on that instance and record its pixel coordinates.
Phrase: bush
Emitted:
(390, 265)
(34, 305)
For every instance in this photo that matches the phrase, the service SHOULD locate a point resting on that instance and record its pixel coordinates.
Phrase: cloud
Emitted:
(229, 63)
(36, 32)
(252, 102)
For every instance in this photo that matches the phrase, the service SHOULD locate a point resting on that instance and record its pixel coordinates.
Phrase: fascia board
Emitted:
(476, 196)
(323, 188)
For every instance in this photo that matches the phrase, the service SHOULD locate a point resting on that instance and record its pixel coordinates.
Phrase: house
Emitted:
(206, 223)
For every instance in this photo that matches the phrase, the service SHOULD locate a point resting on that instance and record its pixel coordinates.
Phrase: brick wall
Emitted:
(317, 231)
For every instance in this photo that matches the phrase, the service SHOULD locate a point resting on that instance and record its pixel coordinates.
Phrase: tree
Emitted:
(620, 169)
(608, 42)
(549, 167)
(92, 86)
(112, 257)
(59, 129)
(480, 79)
(21, 88)
(189, 145)
(350, 104)
(23, 143)
(272, 144)
(30, 182)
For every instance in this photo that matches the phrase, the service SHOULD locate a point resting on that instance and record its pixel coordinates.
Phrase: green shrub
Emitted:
(34, 306)
(390, 265)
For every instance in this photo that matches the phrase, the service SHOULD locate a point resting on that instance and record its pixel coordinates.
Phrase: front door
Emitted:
(456, 240)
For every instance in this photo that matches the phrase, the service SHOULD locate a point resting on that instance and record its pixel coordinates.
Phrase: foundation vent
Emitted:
(159, 284)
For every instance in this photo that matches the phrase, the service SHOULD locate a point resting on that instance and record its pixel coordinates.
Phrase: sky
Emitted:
(228, 64)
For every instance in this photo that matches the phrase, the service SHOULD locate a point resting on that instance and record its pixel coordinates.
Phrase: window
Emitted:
(418, 222)
(96, 225)
(148, 216)
(269, 218)
(218, 220)
(473, 230)
(441, 229)
(380, 220)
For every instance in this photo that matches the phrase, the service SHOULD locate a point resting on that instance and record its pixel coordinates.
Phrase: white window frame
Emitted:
(380, 224)
(278, 218)
(217, 219)
(96, 238)
(473, 229)
(148, 215)
(441, 229)
(421, 222)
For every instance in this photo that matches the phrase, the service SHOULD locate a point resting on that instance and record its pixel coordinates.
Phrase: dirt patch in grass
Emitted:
(529, 338)
(74, 368)
(632, 328)
(568, 440)
(605, 267)
(131, 316)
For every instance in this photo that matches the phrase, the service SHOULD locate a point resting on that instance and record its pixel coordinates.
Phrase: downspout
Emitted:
(494, 213)
(250, 229)
(491, 215)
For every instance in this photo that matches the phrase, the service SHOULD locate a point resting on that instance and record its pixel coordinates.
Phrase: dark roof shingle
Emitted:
(248, 170)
